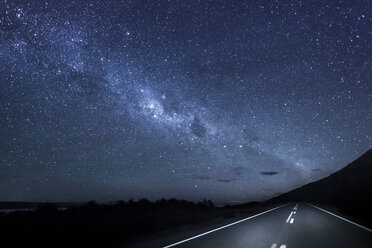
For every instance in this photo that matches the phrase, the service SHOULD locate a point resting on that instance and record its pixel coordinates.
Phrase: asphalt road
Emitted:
(292, 225)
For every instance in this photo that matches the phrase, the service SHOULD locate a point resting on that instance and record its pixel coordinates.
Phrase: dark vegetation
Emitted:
(100, 225)
(348, 191)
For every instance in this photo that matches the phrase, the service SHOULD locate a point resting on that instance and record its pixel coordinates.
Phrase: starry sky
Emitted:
(229, 100)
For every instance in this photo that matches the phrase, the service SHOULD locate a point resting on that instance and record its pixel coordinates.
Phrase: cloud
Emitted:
(269, 173)
(225, 180)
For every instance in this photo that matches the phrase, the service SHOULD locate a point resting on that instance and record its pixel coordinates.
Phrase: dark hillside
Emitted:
(349, 190)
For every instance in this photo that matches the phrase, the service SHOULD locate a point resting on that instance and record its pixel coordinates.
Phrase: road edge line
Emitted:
(351, 222)
(222, 227)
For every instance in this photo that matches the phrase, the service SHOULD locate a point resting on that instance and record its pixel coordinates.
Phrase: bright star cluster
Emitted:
(231, 101)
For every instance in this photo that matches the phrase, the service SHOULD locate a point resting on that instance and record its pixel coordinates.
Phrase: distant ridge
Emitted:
(349, 189)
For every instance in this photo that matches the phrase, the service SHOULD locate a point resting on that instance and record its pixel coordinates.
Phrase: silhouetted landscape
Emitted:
(110, 225)
(123, 223)
(348, 191)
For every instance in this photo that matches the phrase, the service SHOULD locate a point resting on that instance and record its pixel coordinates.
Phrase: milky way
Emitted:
(228, 100)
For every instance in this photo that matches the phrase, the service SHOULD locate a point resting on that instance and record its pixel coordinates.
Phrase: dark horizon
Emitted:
(217, 203)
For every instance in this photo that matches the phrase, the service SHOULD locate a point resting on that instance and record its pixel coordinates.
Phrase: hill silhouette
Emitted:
(349, 190)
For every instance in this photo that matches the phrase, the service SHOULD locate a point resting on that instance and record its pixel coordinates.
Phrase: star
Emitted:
(126, 103)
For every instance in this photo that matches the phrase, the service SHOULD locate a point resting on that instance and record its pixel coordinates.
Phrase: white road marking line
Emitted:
(273, 245)
(365, 228)
(292, 220)
(289, 217)
(222, 227)
(295, 207)
(294, 212)
(283, 246)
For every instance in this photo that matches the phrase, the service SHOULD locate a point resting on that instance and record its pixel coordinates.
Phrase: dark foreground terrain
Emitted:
(347, 192)
(113, 225)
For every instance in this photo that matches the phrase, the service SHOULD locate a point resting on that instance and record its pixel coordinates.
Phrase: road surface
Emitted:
(292, 225)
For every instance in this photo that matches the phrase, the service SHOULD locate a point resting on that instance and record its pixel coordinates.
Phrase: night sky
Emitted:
(229, 100)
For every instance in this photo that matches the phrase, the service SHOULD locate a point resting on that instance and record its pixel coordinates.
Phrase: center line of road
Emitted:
(289, 217)
(292, 220)
(274, 246)
(222, 227)
(295, 207)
